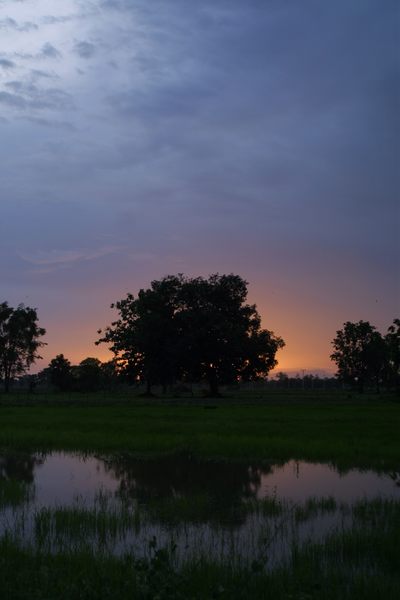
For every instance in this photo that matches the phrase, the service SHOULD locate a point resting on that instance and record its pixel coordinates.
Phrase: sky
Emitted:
(141, 138)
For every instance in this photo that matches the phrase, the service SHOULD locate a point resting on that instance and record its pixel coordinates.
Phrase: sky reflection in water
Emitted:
(215, 509)
(60, 477)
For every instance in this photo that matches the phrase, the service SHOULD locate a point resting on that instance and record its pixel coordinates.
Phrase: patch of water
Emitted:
(220, 509)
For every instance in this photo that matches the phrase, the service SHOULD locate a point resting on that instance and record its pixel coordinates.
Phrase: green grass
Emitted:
(345, 431)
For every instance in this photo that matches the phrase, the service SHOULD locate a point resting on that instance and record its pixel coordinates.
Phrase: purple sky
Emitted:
(141, 138)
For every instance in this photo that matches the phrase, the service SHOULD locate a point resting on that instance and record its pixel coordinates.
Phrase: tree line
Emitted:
(364, 356)
(190, 330)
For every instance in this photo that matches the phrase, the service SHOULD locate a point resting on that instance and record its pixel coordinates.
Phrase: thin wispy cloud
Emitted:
(63, 257)
(12, 24)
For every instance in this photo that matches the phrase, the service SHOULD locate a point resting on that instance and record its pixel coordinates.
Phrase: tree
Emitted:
(144, 338)
(192, 329)
(360, 354)
(89, 375)
(282, 379)
(110, 374)
(221, 336)
(59, 373)
(392, 339)
(19, 341)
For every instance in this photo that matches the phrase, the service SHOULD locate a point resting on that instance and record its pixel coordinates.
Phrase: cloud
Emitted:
(53, 20)
(10, 23)
(12, 100)
(38, 73)
(47, 262)
(85, 49)
(49, 51)
(51, 123)
(63, 258)
(6, 64)
(26, 95)
(22, 86)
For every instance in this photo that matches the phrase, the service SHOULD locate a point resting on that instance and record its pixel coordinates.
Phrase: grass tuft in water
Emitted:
(314, 506)
(14, 493)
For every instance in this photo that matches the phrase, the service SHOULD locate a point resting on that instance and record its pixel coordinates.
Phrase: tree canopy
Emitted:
(19, 340)
(360, 353)
(392, 339)
(90, 375)
(59, 373)
(192, 329)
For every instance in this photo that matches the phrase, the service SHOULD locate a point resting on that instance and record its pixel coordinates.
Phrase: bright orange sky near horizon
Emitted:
(306, 323)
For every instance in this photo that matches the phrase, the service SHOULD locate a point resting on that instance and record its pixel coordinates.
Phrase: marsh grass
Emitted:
(82, 525)
(14, 493)
(314, 506)
(358, 563)
(270, 506)
(110, 521)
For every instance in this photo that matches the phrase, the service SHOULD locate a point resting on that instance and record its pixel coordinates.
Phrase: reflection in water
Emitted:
(19, 466)
(17, 478)
(60, 477)
(221, 509)
(217, 489)
(395, 475)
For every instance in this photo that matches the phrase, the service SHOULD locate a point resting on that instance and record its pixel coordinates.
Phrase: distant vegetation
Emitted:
(184, 332)
(364, 356)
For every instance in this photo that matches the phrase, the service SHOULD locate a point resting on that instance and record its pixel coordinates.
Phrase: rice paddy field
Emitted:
(283, 496)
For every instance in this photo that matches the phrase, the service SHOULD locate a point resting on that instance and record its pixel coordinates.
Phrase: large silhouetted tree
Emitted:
(193, 329)
(19, 340)
(360, 354)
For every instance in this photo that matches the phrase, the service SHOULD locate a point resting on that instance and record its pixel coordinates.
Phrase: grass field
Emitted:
(331, 427)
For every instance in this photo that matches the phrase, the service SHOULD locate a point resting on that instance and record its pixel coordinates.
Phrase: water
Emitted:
(227, 510)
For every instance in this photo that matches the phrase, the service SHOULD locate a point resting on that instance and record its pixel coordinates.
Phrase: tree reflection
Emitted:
(17, 478)
(395, 475)
(178, 488)
(19, 467)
